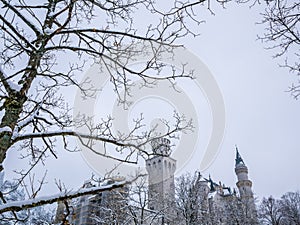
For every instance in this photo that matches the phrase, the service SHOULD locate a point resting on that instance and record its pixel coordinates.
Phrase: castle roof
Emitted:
(238, 158)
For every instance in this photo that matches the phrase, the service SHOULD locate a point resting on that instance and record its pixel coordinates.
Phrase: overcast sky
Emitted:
(261, 117)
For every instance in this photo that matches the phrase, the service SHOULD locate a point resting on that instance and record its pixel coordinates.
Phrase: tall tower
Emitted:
(161, 169)
(244, 184)
(245, 189)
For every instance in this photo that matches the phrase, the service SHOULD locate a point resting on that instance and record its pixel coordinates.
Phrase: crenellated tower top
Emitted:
(161, 146)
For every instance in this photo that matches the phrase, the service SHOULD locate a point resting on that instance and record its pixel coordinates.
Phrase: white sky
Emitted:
(261, 118)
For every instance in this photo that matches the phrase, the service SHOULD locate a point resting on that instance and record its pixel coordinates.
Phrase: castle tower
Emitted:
(202, 185)
(245, 189)
(161, 169)
(244, 184)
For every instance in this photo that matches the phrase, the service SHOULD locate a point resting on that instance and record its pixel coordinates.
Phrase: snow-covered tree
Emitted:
(138, 201)
(127, 206)
(13, 194)
(269, 211)
(290, 208)
(192, 199)
(283, 211)
(238, 211)
(138, 210)
(36, 216)
(46, 45)
(202, 201)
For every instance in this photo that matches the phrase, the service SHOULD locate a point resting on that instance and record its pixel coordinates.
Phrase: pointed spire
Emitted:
(238, 159)
(212, 186)
(198, 176)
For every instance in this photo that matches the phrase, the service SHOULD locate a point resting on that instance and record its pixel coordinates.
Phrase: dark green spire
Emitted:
(238, 159)
(212, 186)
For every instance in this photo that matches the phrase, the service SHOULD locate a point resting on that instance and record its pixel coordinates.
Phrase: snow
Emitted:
(212, 195)
(24, 122)
(1, 177)
(30, 203)
(5, 129)
(11, 84)
(2, 113)
(29, 119)
(48, 31)
(51, 14)
(15, 133)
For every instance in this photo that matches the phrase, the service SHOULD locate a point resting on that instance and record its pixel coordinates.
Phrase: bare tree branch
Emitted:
(22, 205)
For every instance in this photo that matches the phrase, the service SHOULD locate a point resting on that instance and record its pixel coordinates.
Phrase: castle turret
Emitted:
(161, 169)
(244, 184)
(245, 189)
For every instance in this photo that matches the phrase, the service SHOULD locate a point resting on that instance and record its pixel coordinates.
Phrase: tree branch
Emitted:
(27, 204)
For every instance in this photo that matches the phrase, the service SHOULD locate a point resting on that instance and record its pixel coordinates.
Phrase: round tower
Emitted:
(245, 189)
(244, 184)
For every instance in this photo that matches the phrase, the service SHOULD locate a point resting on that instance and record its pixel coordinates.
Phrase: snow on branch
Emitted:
(5, 129)
(8, 84)
(26, 121)
(31, 203)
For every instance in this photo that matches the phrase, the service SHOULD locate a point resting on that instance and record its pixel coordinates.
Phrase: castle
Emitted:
(212, 203)
(218, 203)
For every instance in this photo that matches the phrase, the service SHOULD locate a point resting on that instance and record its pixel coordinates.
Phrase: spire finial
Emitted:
(238, 159)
